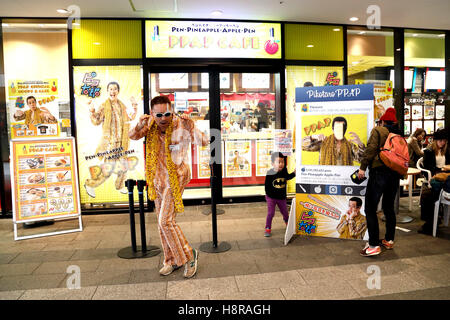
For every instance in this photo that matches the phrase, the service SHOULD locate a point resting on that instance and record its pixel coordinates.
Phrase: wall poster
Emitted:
(108, 102)
(34, 110)
(238, 158)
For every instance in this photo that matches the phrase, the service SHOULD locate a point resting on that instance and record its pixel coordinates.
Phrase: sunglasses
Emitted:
(160, 114)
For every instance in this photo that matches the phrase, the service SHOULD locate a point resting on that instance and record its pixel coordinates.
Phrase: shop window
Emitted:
(107, 39)
(424, 81)
(371, 60)
(314, 42)
(36, 65)
(304, 76)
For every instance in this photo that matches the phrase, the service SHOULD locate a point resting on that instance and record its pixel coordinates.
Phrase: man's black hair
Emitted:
(340, 119)
(357, 200)
(115, 83)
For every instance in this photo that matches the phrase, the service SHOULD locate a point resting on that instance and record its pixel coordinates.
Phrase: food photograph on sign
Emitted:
(108, 103)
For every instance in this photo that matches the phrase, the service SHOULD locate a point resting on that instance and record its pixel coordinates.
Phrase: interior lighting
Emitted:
(354, 19)
(62, 10)
(216, 13)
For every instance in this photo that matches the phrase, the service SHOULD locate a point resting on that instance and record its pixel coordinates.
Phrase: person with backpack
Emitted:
(383, 181)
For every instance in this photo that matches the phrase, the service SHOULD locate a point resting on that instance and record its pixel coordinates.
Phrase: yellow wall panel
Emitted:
(107, 39)
(327, 43)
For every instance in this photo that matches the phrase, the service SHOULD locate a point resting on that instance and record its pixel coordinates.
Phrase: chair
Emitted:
(444, 199)
(426, 173)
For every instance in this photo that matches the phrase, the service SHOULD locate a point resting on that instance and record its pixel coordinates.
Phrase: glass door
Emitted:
(247, 109)
(189, 94)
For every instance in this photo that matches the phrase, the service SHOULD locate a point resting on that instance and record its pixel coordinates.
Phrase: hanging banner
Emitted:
(108, 102)
(44, 179)
(333, 124)
(283, 141)
(34, 110)
(383, 91)
(208, 39)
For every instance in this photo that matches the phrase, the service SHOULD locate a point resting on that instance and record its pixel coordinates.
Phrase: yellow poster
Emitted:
(238, 158)
(34, 109)
(383, 92)
(317, 131)
(209, 39)
(44, 179)
(331, 216)
(108, 102)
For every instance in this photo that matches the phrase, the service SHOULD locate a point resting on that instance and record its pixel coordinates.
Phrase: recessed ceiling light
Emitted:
(310, 45)
(62, 10)
(362, 32)
(336, 29)
(398, 49)
(97, 43)
(216, 13)
(354, 19)
(441, 35)
(415, 35)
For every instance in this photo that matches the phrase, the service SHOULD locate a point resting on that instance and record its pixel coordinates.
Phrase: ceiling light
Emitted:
(354, 19)
(310, 45)
(355, 62)
(216, 13)
(415, 35)
(336, 29)
(441, 35)
(62, 10)
(398, 49)
(97, 43)
(362, 32)
(5, 24)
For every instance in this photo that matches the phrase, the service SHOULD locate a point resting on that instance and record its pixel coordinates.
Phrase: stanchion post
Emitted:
(213, 210)
(214, 247)
(140, 186)
(130, 183)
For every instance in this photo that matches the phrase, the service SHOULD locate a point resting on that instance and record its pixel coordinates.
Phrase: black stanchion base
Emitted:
(209, 247)
(209, 211)
(128, 253)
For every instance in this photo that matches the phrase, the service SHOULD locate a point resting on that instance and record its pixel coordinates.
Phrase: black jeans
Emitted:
(382, 182)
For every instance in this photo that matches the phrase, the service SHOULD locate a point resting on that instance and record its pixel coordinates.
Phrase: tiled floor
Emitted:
(255, 268)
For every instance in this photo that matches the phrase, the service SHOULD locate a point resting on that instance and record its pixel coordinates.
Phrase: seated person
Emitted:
(436, 155)
(415, 146)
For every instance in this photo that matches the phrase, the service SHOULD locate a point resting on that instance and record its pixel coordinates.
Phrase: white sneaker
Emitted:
(190, 268)
(90, 191)
(124, 190)
(166, 270)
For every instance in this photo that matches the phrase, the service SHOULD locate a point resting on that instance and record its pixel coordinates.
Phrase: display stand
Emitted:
(214, 246)
(135, 251)
(44, 166)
